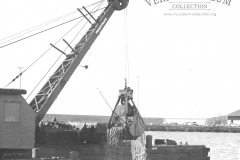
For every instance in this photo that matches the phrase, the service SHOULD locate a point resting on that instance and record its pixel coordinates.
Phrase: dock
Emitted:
(192, 128)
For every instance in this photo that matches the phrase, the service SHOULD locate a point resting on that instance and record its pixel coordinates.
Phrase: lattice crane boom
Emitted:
(52, 88)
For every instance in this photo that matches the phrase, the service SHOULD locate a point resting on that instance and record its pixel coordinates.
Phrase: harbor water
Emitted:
(223, 146)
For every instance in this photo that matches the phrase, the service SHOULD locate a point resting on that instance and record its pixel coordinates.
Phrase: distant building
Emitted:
(217, 120)
(226, 119)
(234, 116)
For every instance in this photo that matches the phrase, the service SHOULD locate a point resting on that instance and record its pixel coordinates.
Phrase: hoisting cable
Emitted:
(44, 53)
(36, 27)
(47, 29)
(40, 25)
(126, 46)
(125, 68)
(111, 107)
(64, 50)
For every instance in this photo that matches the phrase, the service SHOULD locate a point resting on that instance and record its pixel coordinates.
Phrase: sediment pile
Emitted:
(120, 149)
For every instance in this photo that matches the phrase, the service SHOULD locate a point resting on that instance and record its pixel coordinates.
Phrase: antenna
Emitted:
(20, 74)
(125, 83)
(113, 111)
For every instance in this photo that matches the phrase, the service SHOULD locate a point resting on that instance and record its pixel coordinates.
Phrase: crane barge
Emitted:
(18, 119)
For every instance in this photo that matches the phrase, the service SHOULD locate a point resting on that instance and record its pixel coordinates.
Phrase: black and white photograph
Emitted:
(120, 79)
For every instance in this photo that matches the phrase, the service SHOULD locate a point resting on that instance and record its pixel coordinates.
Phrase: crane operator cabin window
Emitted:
(11, 112)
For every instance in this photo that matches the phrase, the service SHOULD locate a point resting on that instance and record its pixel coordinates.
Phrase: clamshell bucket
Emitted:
(126, 117)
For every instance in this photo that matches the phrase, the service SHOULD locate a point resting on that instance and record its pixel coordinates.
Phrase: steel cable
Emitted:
(45, 30)
(41, 25)
(64, 50)
(47, 51)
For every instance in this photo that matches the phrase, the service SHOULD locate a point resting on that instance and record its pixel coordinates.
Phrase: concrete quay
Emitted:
(187, 128)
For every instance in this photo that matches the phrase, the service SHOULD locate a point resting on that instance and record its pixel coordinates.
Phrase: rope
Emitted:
(46, 51)
(111, 108)
(91, 52)
(126, 47)
(36, 27)
(125, 44)
(45, 30)
(65, 49)
(43, 54)
(41, 25)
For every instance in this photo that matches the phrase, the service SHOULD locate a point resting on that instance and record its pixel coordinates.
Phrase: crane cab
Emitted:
(17, 120)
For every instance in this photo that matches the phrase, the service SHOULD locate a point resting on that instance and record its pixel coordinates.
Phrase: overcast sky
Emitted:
(187, 66)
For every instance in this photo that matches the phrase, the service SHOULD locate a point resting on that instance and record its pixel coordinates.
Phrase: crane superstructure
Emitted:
(52, 88)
